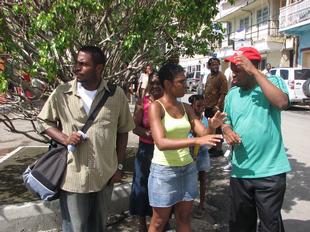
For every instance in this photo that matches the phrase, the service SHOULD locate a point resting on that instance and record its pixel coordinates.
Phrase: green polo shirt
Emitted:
(258, 123)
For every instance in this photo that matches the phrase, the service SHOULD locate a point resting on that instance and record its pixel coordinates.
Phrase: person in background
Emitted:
(133, 89)
(253, 128)
(228, 75)
(266, 71)
(139, 200)
(97, 162)
(200, 154)
(231, 81)
(173, 175)
(144, 77)
(215, 92)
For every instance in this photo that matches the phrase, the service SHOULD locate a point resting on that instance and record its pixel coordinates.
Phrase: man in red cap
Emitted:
(253, 128)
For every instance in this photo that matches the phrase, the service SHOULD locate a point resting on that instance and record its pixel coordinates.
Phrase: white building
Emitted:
(295, 20)
(254, 23)
(197, 64)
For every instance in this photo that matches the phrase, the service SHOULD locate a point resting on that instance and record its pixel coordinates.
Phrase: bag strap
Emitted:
(101, 103)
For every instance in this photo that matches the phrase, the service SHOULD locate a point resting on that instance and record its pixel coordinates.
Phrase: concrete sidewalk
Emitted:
(44, 216)
(39, 215)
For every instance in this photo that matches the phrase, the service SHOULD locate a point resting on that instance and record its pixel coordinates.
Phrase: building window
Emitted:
(262, 16)
(244, 23)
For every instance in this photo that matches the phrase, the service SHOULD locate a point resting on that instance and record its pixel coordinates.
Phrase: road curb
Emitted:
(42, 216)
(45, 216)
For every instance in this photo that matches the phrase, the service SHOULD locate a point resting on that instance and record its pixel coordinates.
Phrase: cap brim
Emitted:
(231, 59)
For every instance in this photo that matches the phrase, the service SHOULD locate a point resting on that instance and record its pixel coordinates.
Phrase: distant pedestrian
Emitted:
(228, 75)
(173, 175)
(266, 71)
(139, 200)
(253, 128)
(215, 92)
(143, 80)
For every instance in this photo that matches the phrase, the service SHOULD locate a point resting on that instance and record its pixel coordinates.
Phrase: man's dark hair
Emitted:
(213, 59)
(195, 97)
(96, 53)
(169, 72)
(255, 63)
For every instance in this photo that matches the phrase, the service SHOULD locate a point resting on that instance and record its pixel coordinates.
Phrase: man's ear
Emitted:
(99, 68)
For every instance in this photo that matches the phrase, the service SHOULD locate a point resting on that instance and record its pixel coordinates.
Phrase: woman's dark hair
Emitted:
(96, 53)
(195, 97)
(145, 67)
(169, 72)
(213, 59)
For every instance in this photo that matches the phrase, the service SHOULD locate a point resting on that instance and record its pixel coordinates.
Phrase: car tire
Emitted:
(306, 88)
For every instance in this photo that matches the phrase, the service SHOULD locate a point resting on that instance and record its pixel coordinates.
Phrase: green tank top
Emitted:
(175, 128)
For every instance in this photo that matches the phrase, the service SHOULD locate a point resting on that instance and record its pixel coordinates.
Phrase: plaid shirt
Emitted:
(93, 163)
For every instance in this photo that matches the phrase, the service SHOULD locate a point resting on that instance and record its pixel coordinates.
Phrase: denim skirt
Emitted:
(139, 201)
(170, 185)
(203, 160)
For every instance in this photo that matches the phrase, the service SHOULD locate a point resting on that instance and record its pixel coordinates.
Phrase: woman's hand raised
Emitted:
(217, 120)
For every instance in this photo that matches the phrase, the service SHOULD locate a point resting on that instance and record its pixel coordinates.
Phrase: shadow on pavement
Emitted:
(297, 189)
(297, 225)
(212, 220)
(298, 185)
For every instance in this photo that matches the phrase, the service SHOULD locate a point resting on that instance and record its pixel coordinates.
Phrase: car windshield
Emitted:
(302, 74)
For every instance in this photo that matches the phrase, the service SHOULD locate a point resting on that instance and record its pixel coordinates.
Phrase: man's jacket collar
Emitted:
(103, 86)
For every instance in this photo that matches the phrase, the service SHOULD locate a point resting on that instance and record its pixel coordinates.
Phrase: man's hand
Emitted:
(244, 63)
(117, 177)
(74, 139)
(230, 136)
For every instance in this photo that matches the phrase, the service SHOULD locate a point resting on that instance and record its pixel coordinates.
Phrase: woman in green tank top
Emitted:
(173, 176)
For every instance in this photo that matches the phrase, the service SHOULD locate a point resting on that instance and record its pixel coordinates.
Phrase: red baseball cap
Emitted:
(249, 52)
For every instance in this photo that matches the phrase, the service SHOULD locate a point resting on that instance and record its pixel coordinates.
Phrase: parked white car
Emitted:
(193, 80)
(298, 83)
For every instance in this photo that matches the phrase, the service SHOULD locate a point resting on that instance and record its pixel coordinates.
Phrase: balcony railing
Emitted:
(294, 14)
(259, 31)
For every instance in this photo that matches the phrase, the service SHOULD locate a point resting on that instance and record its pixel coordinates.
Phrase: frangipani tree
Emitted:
(41, 37)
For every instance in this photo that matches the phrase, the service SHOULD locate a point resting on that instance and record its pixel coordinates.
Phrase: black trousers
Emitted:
(262, 197)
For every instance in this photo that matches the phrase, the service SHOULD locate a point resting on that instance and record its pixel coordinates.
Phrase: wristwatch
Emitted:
(120, 167)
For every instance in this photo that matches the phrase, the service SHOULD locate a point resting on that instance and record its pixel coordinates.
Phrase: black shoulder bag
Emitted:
(44, 177)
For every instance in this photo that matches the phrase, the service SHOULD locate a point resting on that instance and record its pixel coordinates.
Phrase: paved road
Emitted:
(296, 134)
(296, 131)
